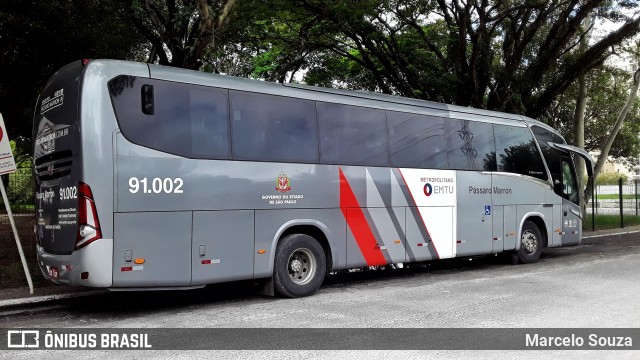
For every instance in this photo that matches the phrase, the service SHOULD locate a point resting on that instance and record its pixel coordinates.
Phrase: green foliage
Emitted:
(266, 63)
(39, 37)
(609, 221)
(607, 89)
(611, 178)
(20, 187)
(616, 196)
(510, 56)
(189, 34)
(22, 160)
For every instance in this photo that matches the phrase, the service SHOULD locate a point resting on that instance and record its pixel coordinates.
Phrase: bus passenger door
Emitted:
(566, 186)
(474, 213)
(571, 231)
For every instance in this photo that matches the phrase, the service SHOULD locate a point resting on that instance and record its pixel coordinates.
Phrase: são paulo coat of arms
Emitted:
(282, 183)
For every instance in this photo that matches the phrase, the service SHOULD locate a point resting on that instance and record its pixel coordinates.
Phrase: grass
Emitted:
(616, 196)
(12, 274)
(609, 221)
(22, 208)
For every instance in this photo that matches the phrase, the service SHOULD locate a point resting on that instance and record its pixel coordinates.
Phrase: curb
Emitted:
(45, 298)
(611, 234)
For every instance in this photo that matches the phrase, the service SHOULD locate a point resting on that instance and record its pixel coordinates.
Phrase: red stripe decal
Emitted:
(358, 224)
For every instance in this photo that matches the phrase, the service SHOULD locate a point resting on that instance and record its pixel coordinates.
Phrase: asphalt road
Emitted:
(593, 285)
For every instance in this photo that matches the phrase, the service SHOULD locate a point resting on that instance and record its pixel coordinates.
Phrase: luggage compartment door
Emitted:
(152, 249)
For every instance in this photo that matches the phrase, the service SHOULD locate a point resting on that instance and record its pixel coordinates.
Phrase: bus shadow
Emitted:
(122, 303)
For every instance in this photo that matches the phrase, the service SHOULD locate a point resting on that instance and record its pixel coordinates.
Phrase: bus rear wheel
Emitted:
(299, 267)
(530, 243)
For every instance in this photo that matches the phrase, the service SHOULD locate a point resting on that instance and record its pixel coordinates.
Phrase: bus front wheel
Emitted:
(299, 267)
(530, 243)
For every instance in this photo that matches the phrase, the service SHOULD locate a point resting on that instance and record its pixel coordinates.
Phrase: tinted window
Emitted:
(352, 135)
(470, 145)
(569, 184)
(543, 136)
(551, 155)
(186, 120)
(273, 128)
(417, 140)
(516, 152)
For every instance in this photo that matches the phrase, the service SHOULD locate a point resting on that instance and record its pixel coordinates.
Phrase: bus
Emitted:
(151, 177)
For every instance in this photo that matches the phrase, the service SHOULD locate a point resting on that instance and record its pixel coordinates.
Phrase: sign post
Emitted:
(8, 165)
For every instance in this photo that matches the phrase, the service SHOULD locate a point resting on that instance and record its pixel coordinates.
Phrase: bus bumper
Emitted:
(90, 266)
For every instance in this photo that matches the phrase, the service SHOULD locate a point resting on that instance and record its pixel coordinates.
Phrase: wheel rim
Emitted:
(529, 242)
(302, 266)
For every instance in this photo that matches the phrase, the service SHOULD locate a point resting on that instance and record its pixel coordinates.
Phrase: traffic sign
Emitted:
(7, 162)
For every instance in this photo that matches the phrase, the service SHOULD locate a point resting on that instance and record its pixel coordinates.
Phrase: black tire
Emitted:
(299, 266)
(530, 243)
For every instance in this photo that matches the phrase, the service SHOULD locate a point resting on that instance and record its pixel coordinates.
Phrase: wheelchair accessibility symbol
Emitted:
(487, 209)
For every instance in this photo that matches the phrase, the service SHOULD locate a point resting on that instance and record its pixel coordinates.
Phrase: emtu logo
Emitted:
(428, 189)
(437, 189)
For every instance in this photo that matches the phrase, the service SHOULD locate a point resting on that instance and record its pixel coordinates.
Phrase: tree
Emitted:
(607, 95)
(513, 56)
(182, 33)
(607, 91)
(39, 37)
(616, 127)
(578, 118)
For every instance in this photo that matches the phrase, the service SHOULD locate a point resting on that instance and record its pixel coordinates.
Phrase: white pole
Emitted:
(15, 234)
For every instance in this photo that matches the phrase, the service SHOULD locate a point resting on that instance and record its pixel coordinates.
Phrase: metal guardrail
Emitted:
(624, 202)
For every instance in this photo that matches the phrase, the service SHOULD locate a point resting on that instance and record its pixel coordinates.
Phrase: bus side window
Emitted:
(209, 123)
(470, 145)
(551, 156)
(517, 152)
(417, 141)
(273, 128)
(352, 135)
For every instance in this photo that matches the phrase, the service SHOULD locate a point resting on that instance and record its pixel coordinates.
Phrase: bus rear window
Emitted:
(186, 120)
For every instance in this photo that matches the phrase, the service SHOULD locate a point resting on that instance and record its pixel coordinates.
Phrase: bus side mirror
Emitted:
(558, 188)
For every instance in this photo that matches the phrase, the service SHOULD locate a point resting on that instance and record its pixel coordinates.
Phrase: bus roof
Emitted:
(358, 98)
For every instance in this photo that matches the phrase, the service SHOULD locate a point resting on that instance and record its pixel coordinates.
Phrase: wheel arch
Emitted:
(314, 228)
(539, 220)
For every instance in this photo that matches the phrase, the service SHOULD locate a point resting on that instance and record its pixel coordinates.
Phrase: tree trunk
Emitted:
(604, 153)
(578, 119)
(578, 137)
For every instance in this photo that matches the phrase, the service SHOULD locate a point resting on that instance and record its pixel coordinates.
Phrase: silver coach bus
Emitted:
(151, 177)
